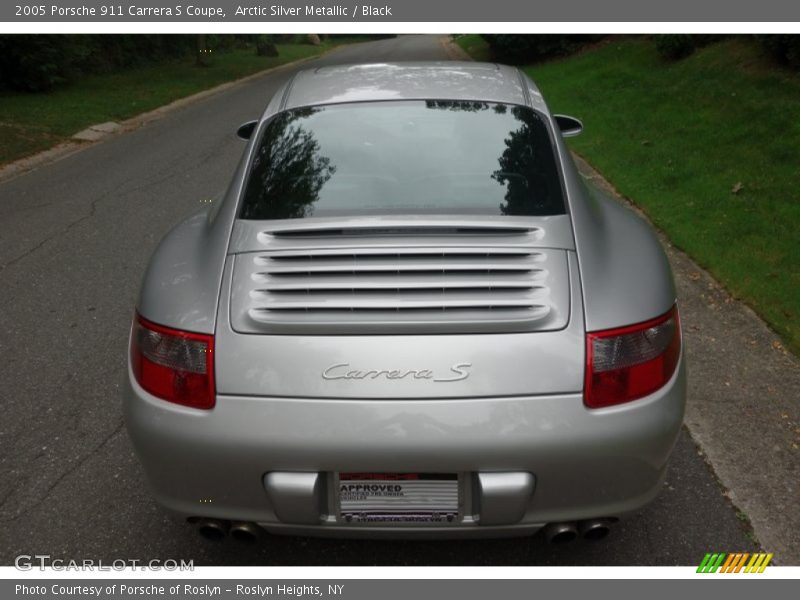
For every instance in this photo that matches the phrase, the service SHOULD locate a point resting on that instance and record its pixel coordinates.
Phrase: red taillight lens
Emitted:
(631, 362)
(174, 365)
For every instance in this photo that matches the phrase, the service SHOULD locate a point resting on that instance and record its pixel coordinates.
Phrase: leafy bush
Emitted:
(110, 52)
(784, 48)
(37, 63)
(674, 46)
(519, 49)
(265, 46)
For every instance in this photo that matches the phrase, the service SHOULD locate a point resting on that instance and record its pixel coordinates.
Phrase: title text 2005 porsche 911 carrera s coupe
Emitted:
(408, 316)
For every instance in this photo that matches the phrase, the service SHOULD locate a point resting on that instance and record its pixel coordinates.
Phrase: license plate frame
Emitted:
(398, 498)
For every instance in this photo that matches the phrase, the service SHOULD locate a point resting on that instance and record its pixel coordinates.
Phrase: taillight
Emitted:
(177, 366)
(631, 362)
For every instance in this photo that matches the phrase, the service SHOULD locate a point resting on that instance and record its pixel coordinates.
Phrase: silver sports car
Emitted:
(408, 316)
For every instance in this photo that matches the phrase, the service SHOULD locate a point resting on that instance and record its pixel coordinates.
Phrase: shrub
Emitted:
(674, 46)
(265, 46)
(518, 49)
(112, 52)
(36, 63)
(784, 48)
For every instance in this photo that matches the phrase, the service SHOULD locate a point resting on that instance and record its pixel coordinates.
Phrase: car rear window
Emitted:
(404, 157)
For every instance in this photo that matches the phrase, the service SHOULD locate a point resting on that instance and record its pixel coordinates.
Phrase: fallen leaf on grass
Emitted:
(737, 188)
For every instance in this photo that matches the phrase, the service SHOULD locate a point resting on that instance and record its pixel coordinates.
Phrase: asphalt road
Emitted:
(75, 236)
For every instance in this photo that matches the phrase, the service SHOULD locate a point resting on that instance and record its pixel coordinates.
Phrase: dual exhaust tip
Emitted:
(216, 530)
(555, 533)
(592, 530)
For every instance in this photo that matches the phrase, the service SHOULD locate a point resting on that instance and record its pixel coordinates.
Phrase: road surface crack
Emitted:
(63, 475)
(92, 212)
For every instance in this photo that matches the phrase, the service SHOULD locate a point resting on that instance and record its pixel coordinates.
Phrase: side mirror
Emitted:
(569, 126)
(246, 130)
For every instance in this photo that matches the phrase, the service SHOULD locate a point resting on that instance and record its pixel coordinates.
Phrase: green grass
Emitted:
(475, 46)
(708, 146)
(34, 122)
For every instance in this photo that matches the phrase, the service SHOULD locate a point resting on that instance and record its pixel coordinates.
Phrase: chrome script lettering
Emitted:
(338, 371)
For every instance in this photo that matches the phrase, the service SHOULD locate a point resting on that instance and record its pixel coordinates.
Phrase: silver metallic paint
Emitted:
(587, 463)
(548, 290)
(504, 496)
(548, 362)
(296, 497)
(409, 81)
(521, 409)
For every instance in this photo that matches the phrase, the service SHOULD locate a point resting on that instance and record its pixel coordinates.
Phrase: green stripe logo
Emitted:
(711, 562)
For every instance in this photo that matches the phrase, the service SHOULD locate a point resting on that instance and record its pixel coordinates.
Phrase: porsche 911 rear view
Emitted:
(409, 316)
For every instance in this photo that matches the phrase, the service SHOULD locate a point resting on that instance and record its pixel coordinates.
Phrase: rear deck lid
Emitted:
(400, 276)
(378, 309)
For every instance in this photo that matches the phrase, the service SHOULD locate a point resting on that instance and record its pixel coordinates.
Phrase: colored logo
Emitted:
(735, 562)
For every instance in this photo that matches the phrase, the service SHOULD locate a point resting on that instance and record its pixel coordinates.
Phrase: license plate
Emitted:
(398, 497)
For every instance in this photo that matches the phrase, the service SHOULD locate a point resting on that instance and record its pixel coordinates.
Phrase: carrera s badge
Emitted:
(459, 372)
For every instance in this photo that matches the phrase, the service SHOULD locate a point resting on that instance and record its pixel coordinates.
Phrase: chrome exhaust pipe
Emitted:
(560, 533)
(212, 529)
(594, 529)
(245, 531)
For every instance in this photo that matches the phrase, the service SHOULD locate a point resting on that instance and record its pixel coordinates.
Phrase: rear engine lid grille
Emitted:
(408, 288)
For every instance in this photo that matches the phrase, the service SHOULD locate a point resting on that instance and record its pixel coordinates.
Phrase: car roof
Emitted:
(450, 80)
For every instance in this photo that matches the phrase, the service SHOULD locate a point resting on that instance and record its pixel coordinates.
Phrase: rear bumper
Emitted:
(585, 463)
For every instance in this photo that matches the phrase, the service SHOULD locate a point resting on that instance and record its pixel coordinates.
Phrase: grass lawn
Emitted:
(34, 122)
(474, 45)
(708, 146)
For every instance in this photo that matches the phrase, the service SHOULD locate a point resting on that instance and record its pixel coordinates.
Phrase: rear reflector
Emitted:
(631, 362)
(174, 365)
